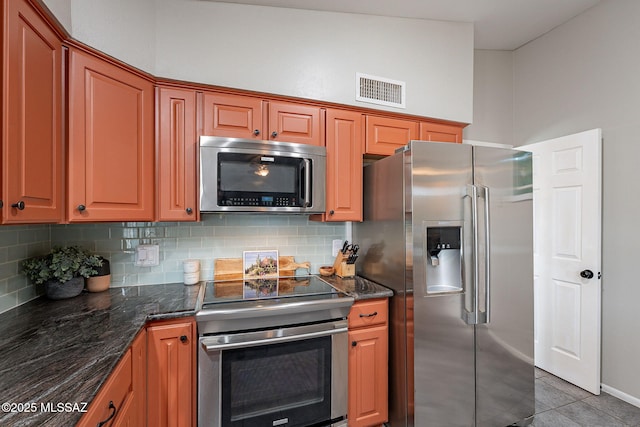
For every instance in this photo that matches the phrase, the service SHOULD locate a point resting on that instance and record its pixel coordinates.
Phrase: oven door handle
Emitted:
(213, 344)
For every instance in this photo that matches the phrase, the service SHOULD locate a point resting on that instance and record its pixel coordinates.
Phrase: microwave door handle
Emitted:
(307, 183)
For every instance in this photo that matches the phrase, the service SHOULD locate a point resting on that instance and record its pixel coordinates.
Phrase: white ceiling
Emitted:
(499, 24)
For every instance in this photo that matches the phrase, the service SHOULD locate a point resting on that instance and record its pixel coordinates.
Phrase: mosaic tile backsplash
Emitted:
(215, 236)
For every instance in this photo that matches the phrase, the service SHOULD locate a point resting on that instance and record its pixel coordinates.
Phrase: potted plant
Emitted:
(62, 270)
(101, 279)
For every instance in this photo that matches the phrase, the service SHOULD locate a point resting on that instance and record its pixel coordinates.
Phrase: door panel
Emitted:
(33, 118)
(111, 144)
(567, 197)
(504, 344)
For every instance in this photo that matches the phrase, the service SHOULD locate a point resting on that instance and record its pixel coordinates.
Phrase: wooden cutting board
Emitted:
(231, 268)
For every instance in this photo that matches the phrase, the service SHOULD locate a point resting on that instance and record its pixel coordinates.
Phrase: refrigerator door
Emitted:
(442, 363)
(504, 344)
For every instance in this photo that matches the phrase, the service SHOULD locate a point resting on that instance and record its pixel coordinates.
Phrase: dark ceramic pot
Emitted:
(69, 289)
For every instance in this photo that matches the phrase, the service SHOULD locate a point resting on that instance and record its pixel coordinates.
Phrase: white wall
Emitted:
(300, 53)
(586, 74)
(492, 98)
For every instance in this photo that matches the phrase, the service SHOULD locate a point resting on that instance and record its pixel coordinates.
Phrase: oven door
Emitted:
(295, 376)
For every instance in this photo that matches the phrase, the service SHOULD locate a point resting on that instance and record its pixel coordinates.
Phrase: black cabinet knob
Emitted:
(586, 274)
(19, 205)
(189, 211)
(1, 204)
(256, 132)
(274, 134)
(183, 338)
(331, 212)
(82, 208)
(354, 343)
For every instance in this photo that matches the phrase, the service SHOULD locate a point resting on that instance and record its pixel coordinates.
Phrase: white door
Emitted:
(567, 256)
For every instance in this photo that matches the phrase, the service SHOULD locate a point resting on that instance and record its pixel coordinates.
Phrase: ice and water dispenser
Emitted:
(444, 259)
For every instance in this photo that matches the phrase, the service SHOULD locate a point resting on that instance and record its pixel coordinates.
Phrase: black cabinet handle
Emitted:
(82, 208)
(375, 313)
(354, 343)
(19, 205)
(331, 212)
(256, 132)
(274, 134)
(113, 414)
(1, 204)
(183, 338)
(189, 211)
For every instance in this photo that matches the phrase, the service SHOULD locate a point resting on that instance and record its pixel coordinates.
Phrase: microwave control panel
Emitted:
(266, 201)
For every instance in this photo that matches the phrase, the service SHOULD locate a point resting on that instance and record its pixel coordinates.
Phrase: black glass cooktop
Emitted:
(259, 289)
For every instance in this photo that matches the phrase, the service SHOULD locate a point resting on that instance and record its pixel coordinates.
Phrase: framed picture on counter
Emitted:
(260, 264)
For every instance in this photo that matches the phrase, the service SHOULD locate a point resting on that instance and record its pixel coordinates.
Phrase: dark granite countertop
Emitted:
(63, 351)
(358, 287)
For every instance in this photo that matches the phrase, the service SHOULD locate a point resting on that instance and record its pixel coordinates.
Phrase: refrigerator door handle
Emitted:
(485, 316)
(472, 317)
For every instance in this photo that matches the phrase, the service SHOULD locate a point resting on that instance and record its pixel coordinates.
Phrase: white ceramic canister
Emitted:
(191, 265)
(191, 278)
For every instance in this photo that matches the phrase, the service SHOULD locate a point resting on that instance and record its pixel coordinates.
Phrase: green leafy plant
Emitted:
(61, 264)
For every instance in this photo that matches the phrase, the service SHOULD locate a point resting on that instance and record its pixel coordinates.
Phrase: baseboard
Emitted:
(621, 395)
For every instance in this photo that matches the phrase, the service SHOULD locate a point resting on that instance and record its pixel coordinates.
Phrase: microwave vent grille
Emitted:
(380, 90)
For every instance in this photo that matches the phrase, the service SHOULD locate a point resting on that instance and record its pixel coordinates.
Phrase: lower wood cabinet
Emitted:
(171, 373)
(368, 363)
(121, 400)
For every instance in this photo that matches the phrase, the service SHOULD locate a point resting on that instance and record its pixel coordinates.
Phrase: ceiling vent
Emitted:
(380, 90)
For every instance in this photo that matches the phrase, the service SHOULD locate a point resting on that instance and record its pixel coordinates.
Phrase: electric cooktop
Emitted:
(233, 291)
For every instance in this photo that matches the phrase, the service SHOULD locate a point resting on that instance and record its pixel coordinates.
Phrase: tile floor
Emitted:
(560, 404)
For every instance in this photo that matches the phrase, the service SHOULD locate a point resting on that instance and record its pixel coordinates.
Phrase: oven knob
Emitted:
(183, 338)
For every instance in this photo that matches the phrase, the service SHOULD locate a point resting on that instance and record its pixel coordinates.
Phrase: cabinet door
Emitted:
(171, 381)
(440, 132)
(113, 396)
(111, 157)
(368, 367)
(176, 146)
(235, 116)
(293, 122)
(344, 166)
(139, 380)
(385, 134)
(32, 119)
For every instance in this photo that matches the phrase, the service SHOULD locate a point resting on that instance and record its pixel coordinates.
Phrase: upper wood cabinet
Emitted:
(111, 144)
(344, 166)
(440, 132)
(386, 134)
(177, 145)
(292, 122)
(171, 373)
(242, 116)
(32, 158)
(235, 116)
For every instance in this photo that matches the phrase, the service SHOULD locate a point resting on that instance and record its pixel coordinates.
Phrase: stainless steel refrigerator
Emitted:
(448, 227)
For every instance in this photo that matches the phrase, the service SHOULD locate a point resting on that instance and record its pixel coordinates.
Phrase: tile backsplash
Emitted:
(19, 242)
(215, 236)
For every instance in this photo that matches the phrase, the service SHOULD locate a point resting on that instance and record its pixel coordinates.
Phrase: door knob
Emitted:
(587, 274)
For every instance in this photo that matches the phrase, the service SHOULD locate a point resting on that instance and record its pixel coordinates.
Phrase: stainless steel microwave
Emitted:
(241, 175)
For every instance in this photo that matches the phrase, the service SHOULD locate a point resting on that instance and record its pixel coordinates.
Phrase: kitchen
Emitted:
(497, 76)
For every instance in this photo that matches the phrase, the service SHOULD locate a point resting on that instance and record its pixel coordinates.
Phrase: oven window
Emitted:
(260, 174)
(285, 384)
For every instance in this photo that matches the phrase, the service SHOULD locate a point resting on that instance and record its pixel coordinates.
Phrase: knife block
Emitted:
(342, 268)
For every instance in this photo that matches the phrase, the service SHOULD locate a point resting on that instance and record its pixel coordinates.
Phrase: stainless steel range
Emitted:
(273, 352)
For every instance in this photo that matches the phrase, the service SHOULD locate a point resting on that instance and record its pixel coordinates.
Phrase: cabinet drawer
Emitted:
(116, 389)
(368, 313)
